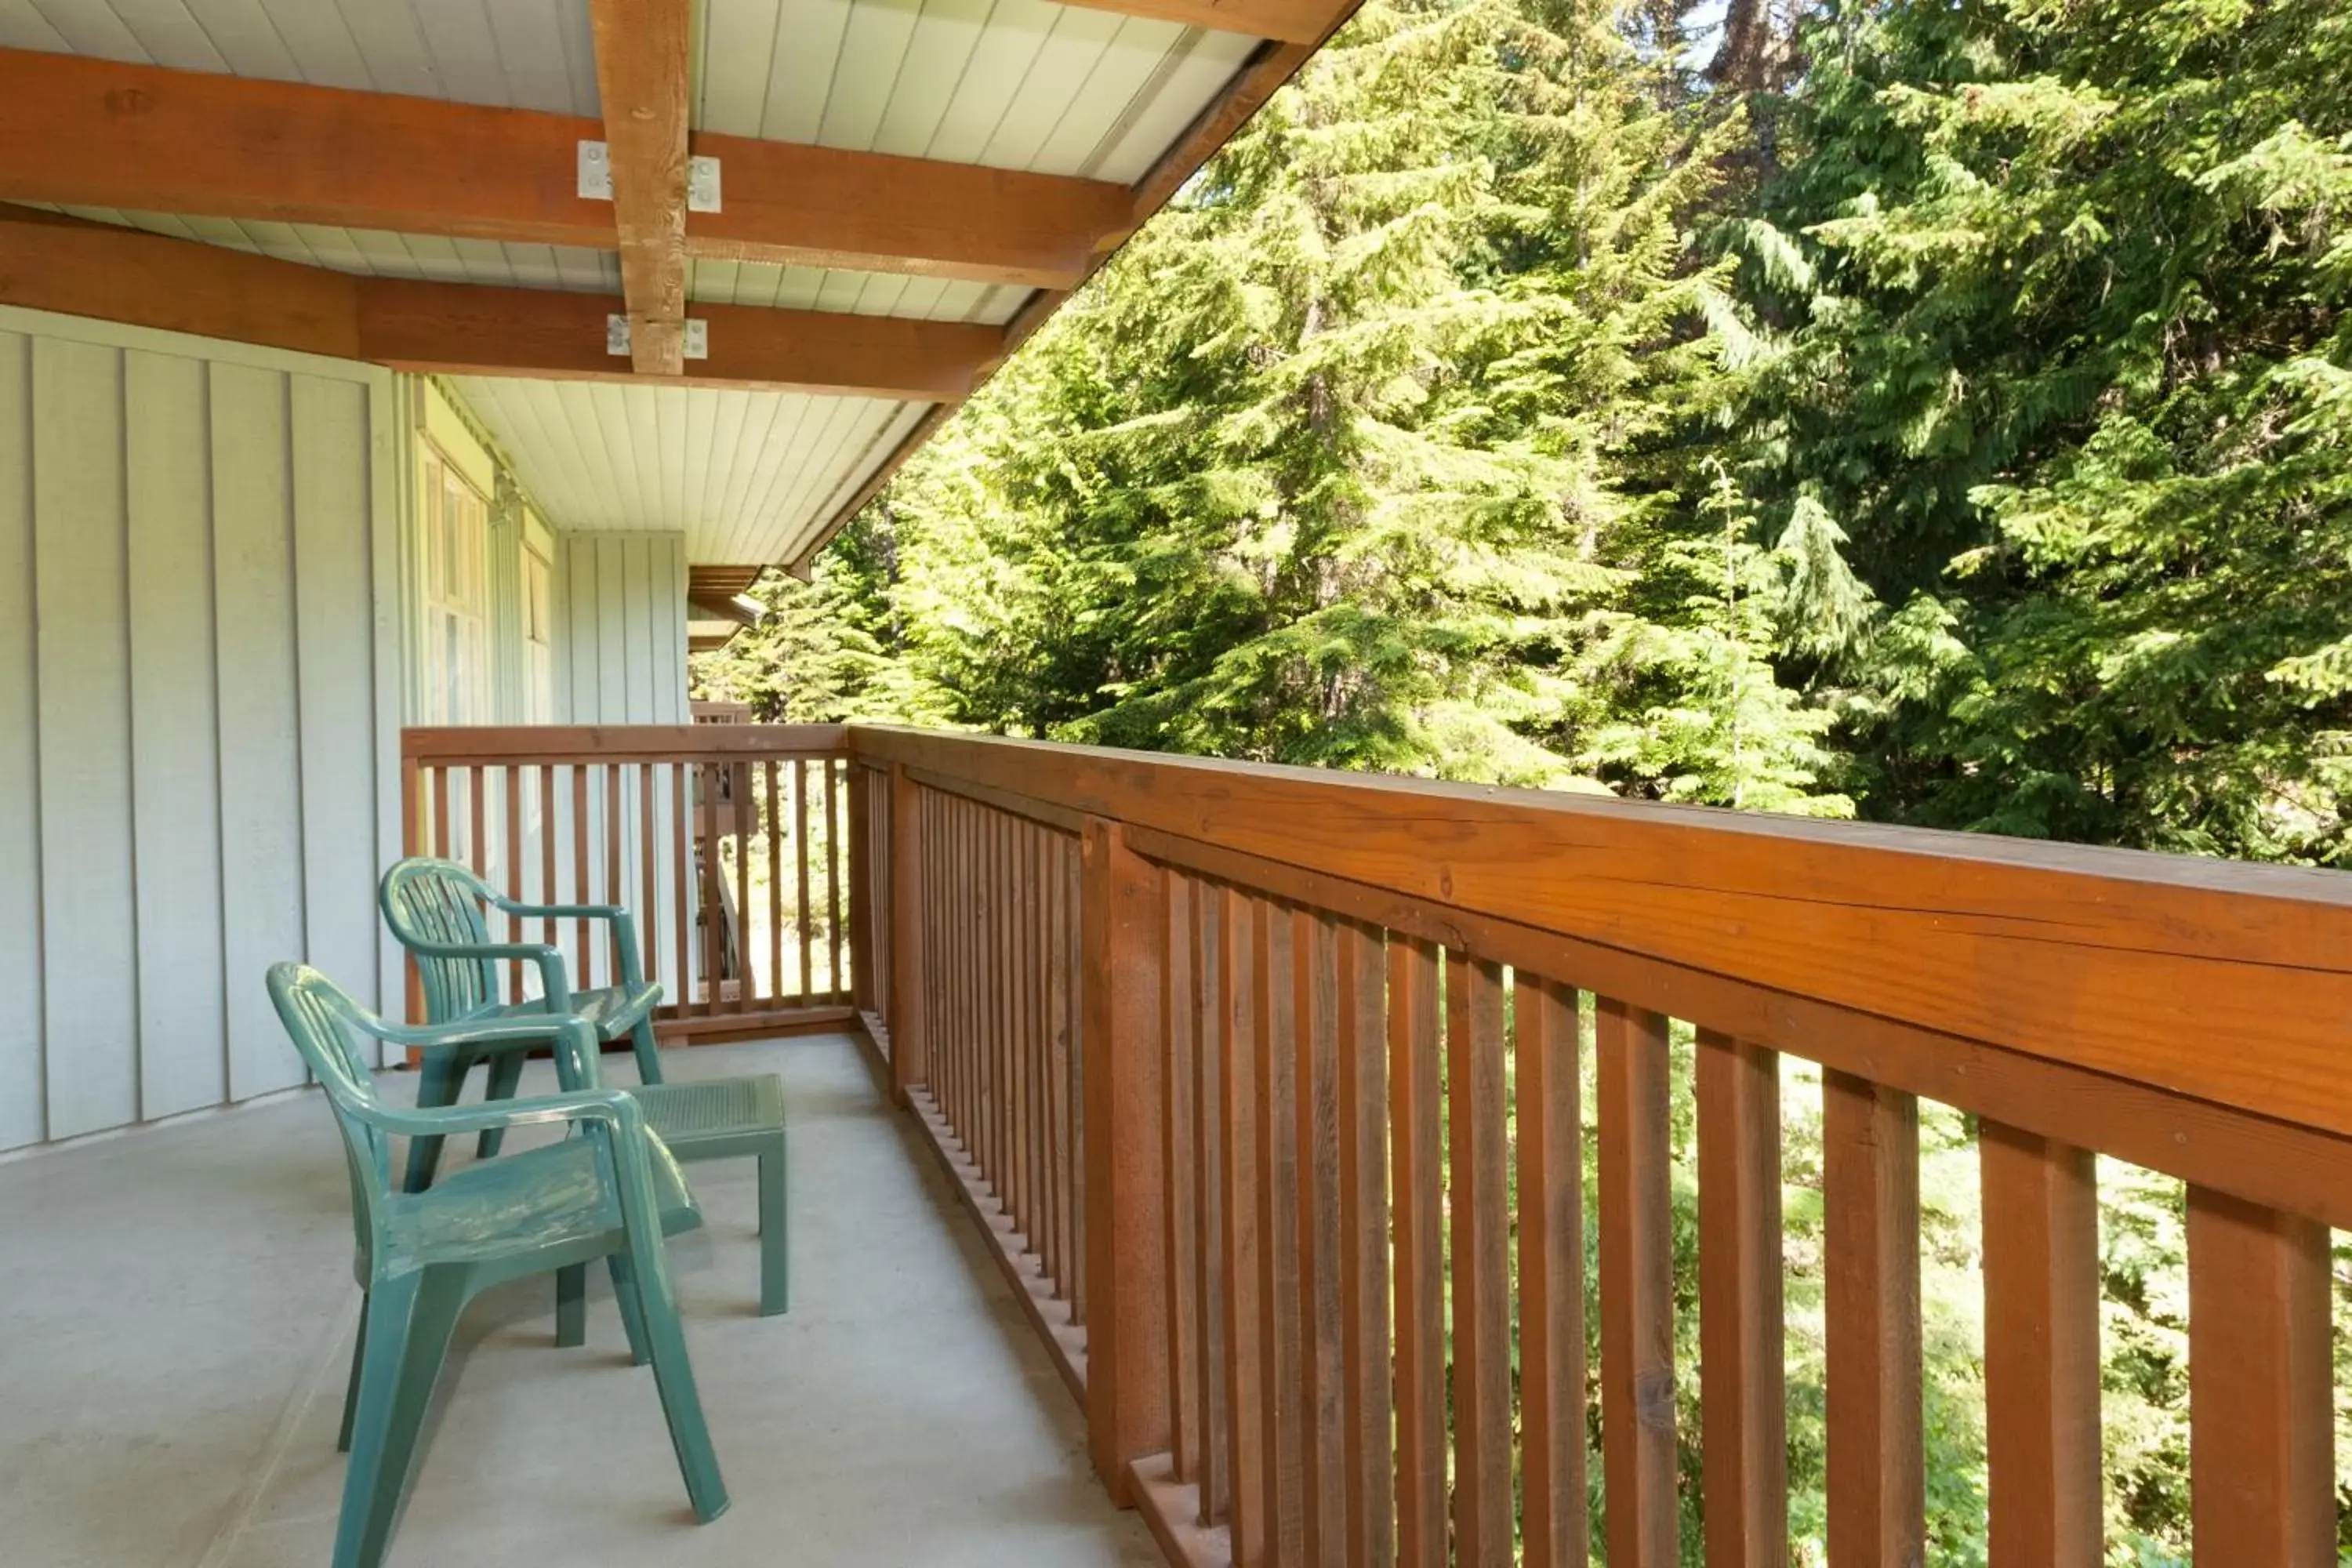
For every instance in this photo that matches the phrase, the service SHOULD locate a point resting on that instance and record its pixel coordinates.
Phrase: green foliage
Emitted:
(2067, 359)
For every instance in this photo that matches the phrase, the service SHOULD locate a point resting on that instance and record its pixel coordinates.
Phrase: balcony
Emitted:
(1267, 1096)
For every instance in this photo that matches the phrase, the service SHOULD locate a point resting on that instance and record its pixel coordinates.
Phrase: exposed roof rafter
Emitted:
(642, 79)
(51, 263)
(83, 131)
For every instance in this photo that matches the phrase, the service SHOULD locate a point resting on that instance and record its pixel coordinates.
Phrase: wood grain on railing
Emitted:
(1363, 1135)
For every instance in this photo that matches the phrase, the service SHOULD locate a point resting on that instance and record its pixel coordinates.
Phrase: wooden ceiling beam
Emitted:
(466, 330)
(641, 81)
(90, 132)
(49, 263)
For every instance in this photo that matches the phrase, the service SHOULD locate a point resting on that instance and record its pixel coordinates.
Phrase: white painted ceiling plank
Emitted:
(1214, 59)
(873, 45)
(90, 28)
(1122, 74)
(288, 40)
(465, 51)
(739, 48)
(170, 35)
(22, 27)
(1016, 33)
(530, 47)
(392, 45)
(935, 62)
(1069, 58)
(800, 80)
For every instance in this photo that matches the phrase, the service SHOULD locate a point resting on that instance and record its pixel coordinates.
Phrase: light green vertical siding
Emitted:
(198, 674)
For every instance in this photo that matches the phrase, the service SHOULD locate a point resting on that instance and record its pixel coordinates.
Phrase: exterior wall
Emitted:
(198, 745)
(620, 619)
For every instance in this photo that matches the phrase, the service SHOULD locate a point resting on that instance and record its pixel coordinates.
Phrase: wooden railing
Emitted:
(730, 842)
(1306, 1226)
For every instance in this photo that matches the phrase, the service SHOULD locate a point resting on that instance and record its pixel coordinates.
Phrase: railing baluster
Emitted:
(477, 803)
(1870, 1189)
(2041, 1350)
(442, 811)
(1546, 1064)
(800, 869)
(648, 900)
(775, 840)
(1742, 1335)
(1361, 1026)
(512, 786)
(582, 966)
(1417, 1201)
(1021, 1194)
(1245, 1363)
(833, 927)
(1209, 1137)
(746, 821)
(1637, 1329)
(682, 892)
(1314, 979)
(1178, 1042)
(1480, 1209)
(547, 895)
(613, 892)
(714, 911)
(1282, 1415)
(1072, 958)
(2261, 1462)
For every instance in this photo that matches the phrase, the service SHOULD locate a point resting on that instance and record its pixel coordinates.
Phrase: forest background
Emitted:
(1936, 412)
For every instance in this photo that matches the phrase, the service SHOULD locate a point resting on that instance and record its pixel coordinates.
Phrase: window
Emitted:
(457, 675)
(538, 637)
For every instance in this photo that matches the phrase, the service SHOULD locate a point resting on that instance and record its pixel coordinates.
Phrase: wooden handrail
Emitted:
(462, 744)
(2133, 964)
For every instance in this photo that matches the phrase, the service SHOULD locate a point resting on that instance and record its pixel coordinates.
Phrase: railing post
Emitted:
(1126, 1332)
(909, 1061)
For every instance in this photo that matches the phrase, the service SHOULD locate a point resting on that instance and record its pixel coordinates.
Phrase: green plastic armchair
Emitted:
(435, 907)
(610, 1190)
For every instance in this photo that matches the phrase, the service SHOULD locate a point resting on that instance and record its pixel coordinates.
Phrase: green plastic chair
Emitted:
(609, 1190)
(434, 908)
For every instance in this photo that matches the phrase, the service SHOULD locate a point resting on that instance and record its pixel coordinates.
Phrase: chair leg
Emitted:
(571, 1306)
(411, 1319)
(438, 1082)
(632, 1308)
(674, 1375)
(649, 1068)
(506, 1076)
(775, 1235)
(351, 1388)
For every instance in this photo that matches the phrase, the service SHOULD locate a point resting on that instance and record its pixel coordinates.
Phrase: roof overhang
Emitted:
(902, 197)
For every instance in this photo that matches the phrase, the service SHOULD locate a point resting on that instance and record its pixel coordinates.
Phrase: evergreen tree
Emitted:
(2070, 365)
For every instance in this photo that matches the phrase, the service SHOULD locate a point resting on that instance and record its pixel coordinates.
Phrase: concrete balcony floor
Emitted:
(176, 1314)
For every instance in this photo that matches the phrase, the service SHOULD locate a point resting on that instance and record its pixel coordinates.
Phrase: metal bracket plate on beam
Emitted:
(595, 172)
(702, 184)
(617, 336)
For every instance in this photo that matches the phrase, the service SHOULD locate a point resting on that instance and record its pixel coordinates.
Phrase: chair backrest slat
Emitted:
(327, 1027)
(440, 901)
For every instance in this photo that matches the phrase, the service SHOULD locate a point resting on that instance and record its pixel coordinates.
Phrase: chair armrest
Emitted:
(608, 1106)
(553, 980)
(624, 924)
(576, 1046)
